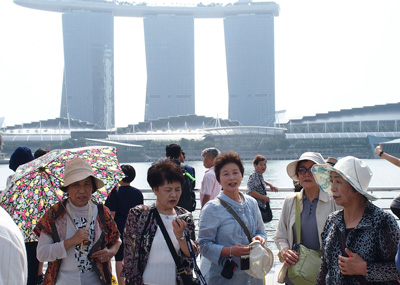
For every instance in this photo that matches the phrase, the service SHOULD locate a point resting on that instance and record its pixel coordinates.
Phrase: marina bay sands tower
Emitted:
(88, 85)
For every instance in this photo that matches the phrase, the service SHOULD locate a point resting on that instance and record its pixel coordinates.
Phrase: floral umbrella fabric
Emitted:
(35, 185)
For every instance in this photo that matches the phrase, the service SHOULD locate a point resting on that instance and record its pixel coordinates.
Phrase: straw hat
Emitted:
(331, 160)
(352, 169)
(76, 170)
(313, 156)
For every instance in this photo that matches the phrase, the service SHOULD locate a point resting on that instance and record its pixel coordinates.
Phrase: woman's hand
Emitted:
(352, 265)
(266, 199)
(81, 235)
(178, 226)
(291, 257)
(260, 239)
(273, 188)
(238, 250)
(103, 255)
(378, 149)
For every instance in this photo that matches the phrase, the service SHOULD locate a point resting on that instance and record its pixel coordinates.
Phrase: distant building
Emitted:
(88, 85)
(169, 41)
(249, 43)
(88, 89)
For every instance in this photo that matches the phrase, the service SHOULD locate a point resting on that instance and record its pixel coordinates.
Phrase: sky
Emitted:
(329, 55)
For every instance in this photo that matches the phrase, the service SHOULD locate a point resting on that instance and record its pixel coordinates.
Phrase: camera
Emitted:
(245, 262)
(187, 217)
(229, 268)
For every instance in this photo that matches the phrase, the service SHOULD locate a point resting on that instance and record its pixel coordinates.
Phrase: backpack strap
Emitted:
(183, 167)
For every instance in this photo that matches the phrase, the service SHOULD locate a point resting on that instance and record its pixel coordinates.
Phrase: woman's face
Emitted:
(261, 166)
(80, 192)
(342, 191)
(306, 178)
(230, 177)
(168, 194)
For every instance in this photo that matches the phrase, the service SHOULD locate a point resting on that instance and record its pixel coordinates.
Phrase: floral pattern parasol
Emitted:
(35, 185)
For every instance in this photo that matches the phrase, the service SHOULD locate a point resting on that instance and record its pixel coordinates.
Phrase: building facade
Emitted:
(88, 84)
(169, 42)
(249, 44)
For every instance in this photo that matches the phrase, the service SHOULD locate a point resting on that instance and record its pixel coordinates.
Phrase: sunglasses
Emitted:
(303, 170)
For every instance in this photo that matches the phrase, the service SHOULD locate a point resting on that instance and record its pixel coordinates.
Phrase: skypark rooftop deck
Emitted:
(142, 9)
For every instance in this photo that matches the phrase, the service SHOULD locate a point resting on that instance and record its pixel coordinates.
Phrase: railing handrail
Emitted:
(285, 190)
(291, 189)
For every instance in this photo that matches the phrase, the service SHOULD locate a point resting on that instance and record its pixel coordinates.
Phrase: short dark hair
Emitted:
(40, 151)
(21, 155)
(130, 173)
(173, 150)
(162, 171)
(258, 158)
(225, 158)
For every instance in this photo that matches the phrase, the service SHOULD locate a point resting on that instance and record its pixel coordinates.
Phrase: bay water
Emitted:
(384, 173)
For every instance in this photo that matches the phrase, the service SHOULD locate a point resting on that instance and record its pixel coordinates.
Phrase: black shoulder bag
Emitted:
(187, 279)
(267, 212)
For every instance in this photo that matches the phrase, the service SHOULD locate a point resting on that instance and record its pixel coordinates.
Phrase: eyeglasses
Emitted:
(303, 170)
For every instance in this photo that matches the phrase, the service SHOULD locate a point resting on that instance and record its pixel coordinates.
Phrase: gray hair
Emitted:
(214, 152)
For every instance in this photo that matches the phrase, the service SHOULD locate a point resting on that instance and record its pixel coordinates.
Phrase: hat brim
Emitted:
(322, 175)
(78, 176)
(262, 261)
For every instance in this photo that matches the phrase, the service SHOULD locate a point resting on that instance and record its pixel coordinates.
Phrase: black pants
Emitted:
(33, 263)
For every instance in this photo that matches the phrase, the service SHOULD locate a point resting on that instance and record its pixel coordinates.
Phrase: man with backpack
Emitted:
(188, 198)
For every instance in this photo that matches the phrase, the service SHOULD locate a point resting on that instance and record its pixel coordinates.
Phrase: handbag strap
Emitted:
(160, 223)
(298, 219)
(233, 213)
(193, 256)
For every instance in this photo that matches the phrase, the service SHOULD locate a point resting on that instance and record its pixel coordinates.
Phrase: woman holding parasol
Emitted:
(77, 236)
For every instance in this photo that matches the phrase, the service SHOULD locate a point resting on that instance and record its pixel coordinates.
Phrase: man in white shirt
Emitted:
(13, 269)
(210, 187)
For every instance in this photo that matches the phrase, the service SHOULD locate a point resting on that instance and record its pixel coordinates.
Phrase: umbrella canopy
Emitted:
(35, 185)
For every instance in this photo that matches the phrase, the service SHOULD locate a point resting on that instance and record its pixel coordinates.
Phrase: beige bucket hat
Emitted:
(352, 169)
(261, 260)
(313, 156)
(77, 169)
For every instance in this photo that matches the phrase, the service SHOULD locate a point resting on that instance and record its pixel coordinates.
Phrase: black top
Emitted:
(121, 201)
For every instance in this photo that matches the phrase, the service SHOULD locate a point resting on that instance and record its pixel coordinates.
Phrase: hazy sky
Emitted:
(328, 56)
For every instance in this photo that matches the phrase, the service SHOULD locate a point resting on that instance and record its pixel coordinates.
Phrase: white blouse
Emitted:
(161, 268)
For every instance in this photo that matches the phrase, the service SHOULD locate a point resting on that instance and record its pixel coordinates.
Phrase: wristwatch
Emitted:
(181, 238)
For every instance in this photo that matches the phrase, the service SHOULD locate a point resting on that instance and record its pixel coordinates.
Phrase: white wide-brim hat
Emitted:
(351, 169)
(261, 260)
(76, 170)
(313, 156)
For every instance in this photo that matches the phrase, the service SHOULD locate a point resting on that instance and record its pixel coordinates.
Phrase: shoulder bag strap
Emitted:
(298, 219)
(193, 256)
(262, 184)
(160, 223)
(342, 242)
(233, 213)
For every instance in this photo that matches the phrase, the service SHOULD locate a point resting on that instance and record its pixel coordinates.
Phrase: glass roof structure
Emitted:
(341, 135)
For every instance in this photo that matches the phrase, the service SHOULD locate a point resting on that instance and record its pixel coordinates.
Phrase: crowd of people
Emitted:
(329, 215)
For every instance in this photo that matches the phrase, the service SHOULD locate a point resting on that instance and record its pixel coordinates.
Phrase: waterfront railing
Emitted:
(386, 194)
